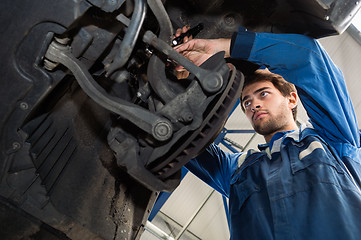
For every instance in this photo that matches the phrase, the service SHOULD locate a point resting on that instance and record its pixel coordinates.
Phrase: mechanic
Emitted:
(303, 183)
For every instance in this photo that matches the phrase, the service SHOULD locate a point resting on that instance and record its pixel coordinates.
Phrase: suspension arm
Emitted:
(159, 127)
(210, 81)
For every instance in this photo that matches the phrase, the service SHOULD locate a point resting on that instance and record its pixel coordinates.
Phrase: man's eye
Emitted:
(263, 94)
(247, 103)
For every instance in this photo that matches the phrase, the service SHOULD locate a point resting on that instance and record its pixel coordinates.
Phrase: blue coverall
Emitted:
(304, 184)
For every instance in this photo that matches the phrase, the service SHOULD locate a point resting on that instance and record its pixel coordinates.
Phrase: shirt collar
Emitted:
(276, 136)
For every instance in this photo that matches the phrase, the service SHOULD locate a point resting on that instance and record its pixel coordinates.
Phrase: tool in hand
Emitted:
(191, 32)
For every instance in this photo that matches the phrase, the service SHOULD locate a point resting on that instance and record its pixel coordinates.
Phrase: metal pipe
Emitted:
(130, 38)
(159, 233)
(249, 141)
(233, 143)
(355, 33)
(194, 215)
(169, 220)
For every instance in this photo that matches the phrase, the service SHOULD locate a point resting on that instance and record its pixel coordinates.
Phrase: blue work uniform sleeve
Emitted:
(215, 167)
(302, 61)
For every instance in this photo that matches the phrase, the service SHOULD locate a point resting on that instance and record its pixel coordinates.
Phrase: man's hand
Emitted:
(199, 50)
(181, 72)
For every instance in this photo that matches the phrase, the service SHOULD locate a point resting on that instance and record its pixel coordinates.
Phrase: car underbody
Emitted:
(95, 122)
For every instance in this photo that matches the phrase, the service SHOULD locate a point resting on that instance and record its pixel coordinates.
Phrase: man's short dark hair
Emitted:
(263, 75)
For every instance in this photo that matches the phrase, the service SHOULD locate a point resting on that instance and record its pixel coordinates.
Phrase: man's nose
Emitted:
(255, 107)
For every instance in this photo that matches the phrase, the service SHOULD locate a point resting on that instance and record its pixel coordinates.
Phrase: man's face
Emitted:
(267, 109)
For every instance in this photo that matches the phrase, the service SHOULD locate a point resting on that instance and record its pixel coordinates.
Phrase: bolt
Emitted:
(189, 116)
(327, 18)
(63, 41)
(162, 131)
(148, 52)
(49, 65)
(16, 145)
(24, 106)
(186, 116)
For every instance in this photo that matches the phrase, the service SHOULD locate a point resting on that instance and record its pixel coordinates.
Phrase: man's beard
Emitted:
(272, 125)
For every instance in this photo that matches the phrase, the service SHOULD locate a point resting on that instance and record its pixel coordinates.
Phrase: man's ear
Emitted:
(292, 100)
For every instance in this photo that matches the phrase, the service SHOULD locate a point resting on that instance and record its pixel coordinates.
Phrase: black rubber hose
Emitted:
(156, 67)
(130, 38)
